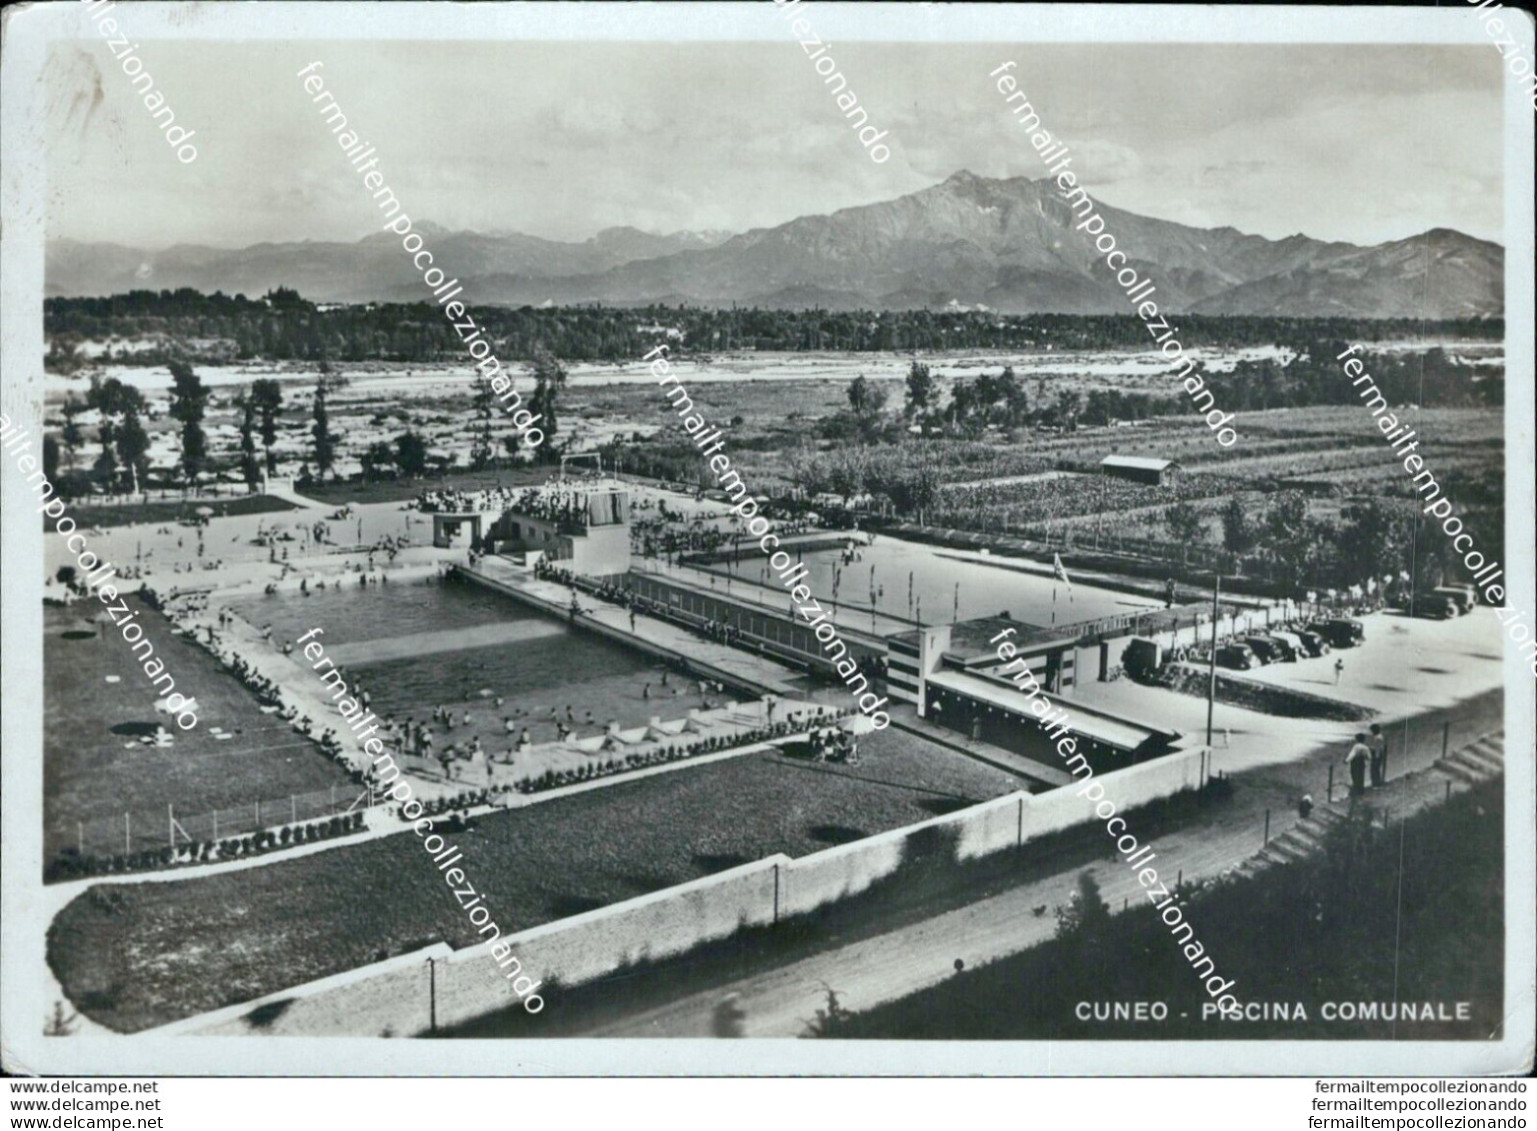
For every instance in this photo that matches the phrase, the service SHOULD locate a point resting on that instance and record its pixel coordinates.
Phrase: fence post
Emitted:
(80, 837)
(1330, 796)
(170, 818)
(215, 825)
(1446, 736)
(293, 810)
(127, 835)
(1267, 826)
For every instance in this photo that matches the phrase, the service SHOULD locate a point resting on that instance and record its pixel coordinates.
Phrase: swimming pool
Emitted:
(539, 663)
(912, 580)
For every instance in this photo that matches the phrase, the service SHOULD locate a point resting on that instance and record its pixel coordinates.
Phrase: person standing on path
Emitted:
(1379, 746)
(1339, 669)
(1360, 754)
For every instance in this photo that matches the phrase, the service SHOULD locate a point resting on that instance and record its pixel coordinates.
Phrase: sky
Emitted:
(563, 139)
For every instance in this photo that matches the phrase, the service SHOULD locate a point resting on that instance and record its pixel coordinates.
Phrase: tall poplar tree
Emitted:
(325, 442)
(250, 466)
(189, 402)
(267, 397)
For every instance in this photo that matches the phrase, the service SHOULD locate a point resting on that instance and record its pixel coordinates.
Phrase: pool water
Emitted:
(944, 588)
(554, 667)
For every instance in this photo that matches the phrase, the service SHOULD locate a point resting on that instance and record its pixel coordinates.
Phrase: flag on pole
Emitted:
(1061, 572)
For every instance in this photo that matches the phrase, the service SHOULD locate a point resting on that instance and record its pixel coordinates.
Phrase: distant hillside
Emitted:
(1006, 245)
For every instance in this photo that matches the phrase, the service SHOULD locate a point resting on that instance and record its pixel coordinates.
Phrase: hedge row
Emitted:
(70, 864)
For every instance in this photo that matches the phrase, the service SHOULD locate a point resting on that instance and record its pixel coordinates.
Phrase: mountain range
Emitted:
(1004, 244)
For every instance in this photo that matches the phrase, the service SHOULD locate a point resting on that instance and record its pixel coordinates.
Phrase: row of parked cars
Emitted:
(1441, 603)
(1144, 658)
(1317, 639)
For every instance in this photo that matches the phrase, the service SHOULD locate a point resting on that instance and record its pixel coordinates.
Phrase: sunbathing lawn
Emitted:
(137, 955)
(94, 766)
(172, 510)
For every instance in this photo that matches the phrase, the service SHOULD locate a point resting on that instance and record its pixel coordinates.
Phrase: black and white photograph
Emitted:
(775, 538)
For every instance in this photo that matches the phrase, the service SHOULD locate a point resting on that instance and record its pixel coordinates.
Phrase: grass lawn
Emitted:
(88, 515)
(95, 768)
(234, 937)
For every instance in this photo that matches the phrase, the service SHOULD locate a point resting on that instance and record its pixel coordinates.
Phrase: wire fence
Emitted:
(142, 830)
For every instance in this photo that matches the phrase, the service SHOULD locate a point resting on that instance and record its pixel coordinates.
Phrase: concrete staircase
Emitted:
(1477, 762)
(1297, 843)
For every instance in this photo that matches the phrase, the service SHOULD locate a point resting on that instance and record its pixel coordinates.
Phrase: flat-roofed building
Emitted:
(957, 679)
(1141, 469)
(580, 525)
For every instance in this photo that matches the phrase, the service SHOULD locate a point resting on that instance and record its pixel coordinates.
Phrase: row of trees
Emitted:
(1313, 376)
(1371, 538)
(987, 400)
(283, 326)
(125, 442)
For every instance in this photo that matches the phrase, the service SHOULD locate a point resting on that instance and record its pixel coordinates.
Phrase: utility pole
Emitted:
(432, 995)
(1211, 686)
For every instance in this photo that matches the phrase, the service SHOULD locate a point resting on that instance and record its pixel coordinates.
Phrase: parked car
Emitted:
(1463, 596)
(1142, 658)
(1287, 651)
(1239, 656)
(1340, 632)
(1315, 644)
(1268, 651)
(1436, 606)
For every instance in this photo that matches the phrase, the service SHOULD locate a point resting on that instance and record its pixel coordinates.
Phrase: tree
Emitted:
(267, 397)
(325, 442)
(189, 402)
(105, 467)
(868, 404)
(1069, 407)
(250, 466)
(859, 392)
(1086, 914)
(120, 406)
(133, 448)
(71, 435)
(549, 380)
(1185, 523)
(1373, 541)
(912, 484)
(831, 1020)
(484, 404)
(1290, 538)
(411, 453)
(377, 456)
(846, 472)
(1238, 533)
(920, 389)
